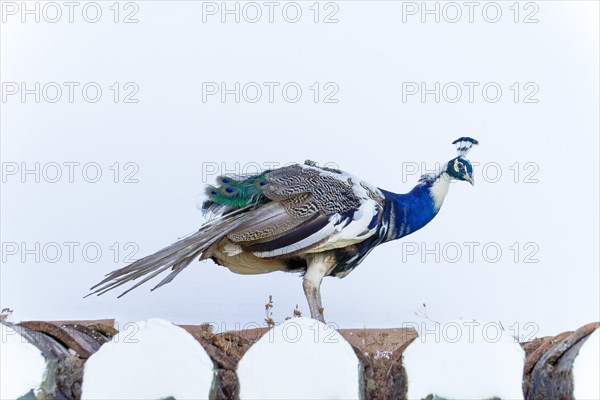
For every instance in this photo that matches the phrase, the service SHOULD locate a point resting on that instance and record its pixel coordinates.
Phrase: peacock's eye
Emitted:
(460, 165)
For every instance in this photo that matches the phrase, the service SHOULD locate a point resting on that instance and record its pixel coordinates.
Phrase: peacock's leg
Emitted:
(318, 266)
(320, 303)
(311, 292)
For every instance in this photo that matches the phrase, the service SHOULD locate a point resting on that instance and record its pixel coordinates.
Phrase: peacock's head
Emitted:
(460, 168)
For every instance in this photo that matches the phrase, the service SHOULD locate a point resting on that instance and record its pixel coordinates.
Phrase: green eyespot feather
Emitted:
(235, 193)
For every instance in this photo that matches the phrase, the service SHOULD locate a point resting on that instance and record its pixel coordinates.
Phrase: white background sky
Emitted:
(171, 135)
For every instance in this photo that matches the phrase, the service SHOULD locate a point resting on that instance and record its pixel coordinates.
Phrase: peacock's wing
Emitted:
(300, 209)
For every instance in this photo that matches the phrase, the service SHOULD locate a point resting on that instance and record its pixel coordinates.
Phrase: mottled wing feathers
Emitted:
(306, 207)
(330, 192)
(267, 221)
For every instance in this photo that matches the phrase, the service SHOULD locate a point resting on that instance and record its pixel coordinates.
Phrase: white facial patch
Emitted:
(456, 165)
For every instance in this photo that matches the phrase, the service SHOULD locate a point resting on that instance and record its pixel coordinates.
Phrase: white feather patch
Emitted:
(439, 189)
(231, 249)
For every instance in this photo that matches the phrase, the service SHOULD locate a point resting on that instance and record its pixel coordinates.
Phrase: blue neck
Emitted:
(407, 213)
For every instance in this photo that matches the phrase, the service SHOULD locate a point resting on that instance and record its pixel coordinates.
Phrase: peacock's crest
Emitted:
(464, 144)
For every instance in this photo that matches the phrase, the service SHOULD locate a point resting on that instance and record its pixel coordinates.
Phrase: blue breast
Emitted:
(407, 213)
(402, 213)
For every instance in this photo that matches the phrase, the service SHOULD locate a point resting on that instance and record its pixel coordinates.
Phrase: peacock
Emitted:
(302, 218)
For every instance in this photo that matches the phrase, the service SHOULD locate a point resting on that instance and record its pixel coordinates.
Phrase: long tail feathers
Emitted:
(176, 256)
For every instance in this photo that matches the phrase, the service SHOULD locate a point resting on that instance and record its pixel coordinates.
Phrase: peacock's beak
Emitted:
(469, 178)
